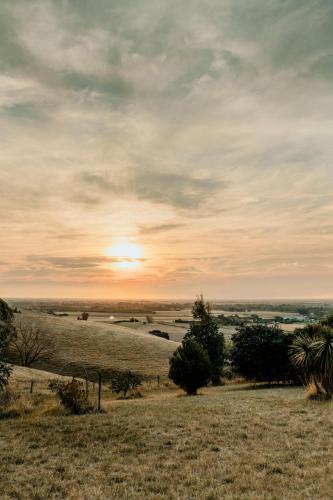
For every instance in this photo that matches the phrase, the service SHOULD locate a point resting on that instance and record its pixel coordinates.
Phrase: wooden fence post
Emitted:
(99, 390)
(32, 386)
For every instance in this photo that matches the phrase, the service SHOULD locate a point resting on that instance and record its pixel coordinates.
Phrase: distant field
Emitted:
(95, 345)
(109, 342)
(165, 321)
(233, 442)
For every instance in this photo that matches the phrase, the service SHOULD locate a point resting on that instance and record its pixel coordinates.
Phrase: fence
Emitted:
(96, 385)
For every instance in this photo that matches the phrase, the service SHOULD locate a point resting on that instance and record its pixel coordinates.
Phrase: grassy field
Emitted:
(232, 442)
(92, 344)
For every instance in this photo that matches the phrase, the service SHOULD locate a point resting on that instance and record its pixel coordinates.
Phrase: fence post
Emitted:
(87, 390)
(158, 379)
(99, 390)
(32, 386)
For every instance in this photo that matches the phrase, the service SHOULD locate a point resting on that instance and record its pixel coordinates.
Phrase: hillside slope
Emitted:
(98, 346)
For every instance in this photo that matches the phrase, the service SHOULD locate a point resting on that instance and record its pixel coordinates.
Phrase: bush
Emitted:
(72, 395)
(158, 333)
(260, 353)
(7, 397)
(312, 353)
(124, 381)
(190, 367)
(83, 317)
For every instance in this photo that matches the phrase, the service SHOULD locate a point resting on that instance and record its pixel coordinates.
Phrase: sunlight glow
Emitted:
(126, 255)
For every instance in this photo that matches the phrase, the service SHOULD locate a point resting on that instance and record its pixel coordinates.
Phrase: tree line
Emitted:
(258, 352)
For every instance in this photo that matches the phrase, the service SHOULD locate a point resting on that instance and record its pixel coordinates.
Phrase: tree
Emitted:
(205, 330)
(190, 367)
(312, 353)
(124, 381)
(260, 353)
(84, 316)
(7, 332)
(7, 329)
(30, 344)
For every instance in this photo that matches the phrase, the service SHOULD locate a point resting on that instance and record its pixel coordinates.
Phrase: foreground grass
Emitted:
(230, 442)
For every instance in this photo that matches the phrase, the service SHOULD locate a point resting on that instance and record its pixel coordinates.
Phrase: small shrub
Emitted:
(8, 414)
(7, 397)
(83, 317)
(124, 381)
(5, 373)
(72, 395)
(229, 372)
(160, 334)
(190, 367)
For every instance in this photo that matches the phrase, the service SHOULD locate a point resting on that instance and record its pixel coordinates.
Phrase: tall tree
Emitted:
(7, 332)
(205, 331)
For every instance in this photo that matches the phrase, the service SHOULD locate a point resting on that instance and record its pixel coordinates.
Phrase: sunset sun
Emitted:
(126, 255)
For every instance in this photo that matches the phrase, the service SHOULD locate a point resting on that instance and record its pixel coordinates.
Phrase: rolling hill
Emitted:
(95, 346)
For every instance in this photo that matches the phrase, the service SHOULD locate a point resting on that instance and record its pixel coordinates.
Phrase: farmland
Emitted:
(233, 442)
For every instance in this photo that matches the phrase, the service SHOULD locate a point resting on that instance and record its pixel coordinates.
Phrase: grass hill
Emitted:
(233, 442)
(98, 346)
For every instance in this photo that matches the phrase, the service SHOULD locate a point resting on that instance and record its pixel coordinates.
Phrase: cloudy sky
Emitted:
(160, 148)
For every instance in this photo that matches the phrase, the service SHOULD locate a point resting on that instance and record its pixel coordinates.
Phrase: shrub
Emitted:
(205, 330)
(312, 353)
(72, 395)
(190, 367)
(158, 333)
(124, 381)
(7, 397)
(260, 353)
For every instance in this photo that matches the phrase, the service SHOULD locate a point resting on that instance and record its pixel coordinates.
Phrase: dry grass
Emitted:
(230, 442)
(96, 345)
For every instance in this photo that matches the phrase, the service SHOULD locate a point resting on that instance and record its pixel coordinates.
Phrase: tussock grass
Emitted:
(224, 443)
(92, 344)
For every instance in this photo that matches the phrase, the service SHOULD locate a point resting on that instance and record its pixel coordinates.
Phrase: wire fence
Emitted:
(96, 384)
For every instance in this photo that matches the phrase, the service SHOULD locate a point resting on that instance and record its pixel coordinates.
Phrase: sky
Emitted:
(163, 148)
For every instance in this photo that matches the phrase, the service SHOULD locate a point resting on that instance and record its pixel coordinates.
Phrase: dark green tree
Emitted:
(7, 332)
(260, 353)
(205, 330)
(190, 367)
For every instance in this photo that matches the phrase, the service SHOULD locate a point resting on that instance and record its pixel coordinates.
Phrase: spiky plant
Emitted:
(312, 354)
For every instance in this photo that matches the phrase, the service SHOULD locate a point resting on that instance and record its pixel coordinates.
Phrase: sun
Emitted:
(126, 255)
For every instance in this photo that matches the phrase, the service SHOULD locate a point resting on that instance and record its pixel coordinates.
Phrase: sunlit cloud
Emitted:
(181, 128)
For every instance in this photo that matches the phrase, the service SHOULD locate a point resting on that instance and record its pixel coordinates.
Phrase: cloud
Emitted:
(178, 190)
(79, 262)
(181, 124)
(160, 228)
